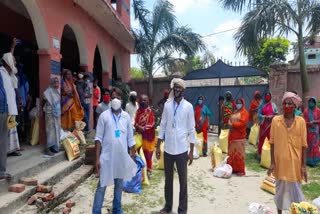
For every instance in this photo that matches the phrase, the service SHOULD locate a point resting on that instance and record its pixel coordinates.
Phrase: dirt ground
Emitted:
(207, 194)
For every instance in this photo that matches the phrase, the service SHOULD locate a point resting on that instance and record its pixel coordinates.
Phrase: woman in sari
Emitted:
(144, 124)
(312, 117)
(267, 110)
(254, 105)
(202, 116)
(237, 138)
(71, 109)
(52, 110)
(228, 108)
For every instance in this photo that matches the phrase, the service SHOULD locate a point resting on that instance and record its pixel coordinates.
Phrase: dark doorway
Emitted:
(97, 67)
(69, 50)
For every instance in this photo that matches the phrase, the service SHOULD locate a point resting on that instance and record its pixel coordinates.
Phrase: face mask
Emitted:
(288, 109)
(116, 104)
(200, 102)
(312, 105)
(88, 81)
(177, 94)
(267, 98)
(106, 98)
(143, 104)
(239, 105)
(258, 96)
(56, 85)
(133, 99)
(228, 97)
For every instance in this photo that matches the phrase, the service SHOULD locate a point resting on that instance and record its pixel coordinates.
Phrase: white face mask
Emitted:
(116, 104)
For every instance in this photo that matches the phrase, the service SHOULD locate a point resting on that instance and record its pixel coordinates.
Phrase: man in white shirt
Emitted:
(114, 135)
(132, 106)
(176, 127)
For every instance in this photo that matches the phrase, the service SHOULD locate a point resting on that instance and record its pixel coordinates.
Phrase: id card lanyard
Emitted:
(175, 108)
(116, 131)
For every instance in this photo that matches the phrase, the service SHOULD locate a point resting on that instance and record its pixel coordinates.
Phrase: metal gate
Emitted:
(212, 93)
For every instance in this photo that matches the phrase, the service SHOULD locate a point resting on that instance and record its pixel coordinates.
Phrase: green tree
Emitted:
(269, 51)
(136, 73)
(268, 17)
(160, 36)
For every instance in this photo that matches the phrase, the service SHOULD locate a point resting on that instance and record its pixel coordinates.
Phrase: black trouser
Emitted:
(181, 161)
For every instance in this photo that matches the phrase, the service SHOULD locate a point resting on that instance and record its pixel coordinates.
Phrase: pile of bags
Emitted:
(269, 185)
(303, 208)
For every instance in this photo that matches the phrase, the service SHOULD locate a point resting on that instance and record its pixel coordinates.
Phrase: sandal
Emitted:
(6, 176)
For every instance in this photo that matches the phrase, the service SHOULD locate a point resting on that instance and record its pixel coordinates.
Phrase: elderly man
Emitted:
(288, 139)
(114, 136)
(7, 72)
(132, 106)
(176, 129)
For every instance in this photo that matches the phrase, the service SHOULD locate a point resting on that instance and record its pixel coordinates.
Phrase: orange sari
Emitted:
(71, 109)
(237, 140)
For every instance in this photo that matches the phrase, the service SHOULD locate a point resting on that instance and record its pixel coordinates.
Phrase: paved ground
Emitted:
(207, 194)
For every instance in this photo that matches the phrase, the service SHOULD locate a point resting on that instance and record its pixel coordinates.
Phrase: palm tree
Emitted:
(268, 17)
(160, 36)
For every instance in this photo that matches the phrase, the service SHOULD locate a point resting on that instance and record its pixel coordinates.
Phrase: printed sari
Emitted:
(145, 120)
(237, 140)
(265, 109)
(313, 151)
(202, 116)
(71, 109)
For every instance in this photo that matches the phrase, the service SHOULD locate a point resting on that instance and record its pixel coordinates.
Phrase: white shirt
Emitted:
(11, 94)
(177, 124)
(102, 107)
(114, 158)
(132, 109)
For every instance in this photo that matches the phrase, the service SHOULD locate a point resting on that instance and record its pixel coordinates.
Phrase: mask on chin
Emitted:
(116, 104)
(177, 94)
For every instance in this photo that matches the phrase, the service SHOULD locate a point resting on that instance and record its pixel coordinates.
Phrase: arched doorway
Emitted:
(69, 50)
(115, 70)
(25, 52)
(97, 67)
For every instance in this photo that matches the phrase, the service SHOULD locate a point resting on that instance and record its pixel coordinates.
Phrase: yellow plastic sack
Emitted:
(216, 156)
(79, 126)
(223, 140)
(71, 146)
(199, 146)
(138, 140)
(35, 132)
(265, 154)
(303, 207)
(145, 179)
(254, 133)
(269, 185)
(161, 160)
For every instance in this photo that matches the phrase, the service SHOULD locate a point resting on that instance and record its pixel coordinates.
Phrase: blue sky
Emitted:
(206, 17)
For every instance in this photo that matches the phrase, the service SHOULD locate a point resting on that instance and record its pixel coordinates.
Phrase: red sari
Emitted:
(145, 120)
(253, 110)
(202, 114)
(237, 140)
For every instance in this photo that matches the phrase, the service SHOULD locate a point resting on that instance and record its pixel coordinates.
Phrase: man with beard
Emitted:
(176, 129)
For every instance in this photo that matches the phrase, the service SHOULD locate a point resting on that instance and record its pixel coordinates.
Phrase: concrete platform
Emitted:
(48, 171)
(30, 163)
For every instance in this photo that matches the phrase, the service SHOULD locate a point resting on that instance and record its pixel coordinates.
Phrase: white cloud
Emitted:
(182, 6)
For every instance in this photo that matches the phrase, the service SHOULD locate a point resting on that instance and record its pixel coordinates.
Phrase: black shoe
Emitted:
(16, 153)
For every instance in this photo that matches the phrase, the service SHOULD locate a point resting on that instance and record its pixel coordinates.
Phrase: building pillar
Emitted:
(47, 69)
(105, 79)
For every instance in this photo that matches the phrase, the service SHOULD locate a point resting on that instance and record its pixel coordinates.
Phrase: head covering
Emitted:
(257, 93)
(312, 98)
(9, 60)
(133, 93)
(179, 82)
(294, 97)
(80, 76)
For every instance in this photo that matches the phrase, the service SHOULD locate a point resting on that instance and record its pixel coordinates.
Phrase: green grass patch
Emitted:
(252, 162)
(311, 190)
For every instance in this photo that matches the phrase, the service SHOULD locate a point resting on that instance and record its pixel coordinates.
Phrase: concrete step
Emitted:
(29, 164)
(11, 202)
(61, 190)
